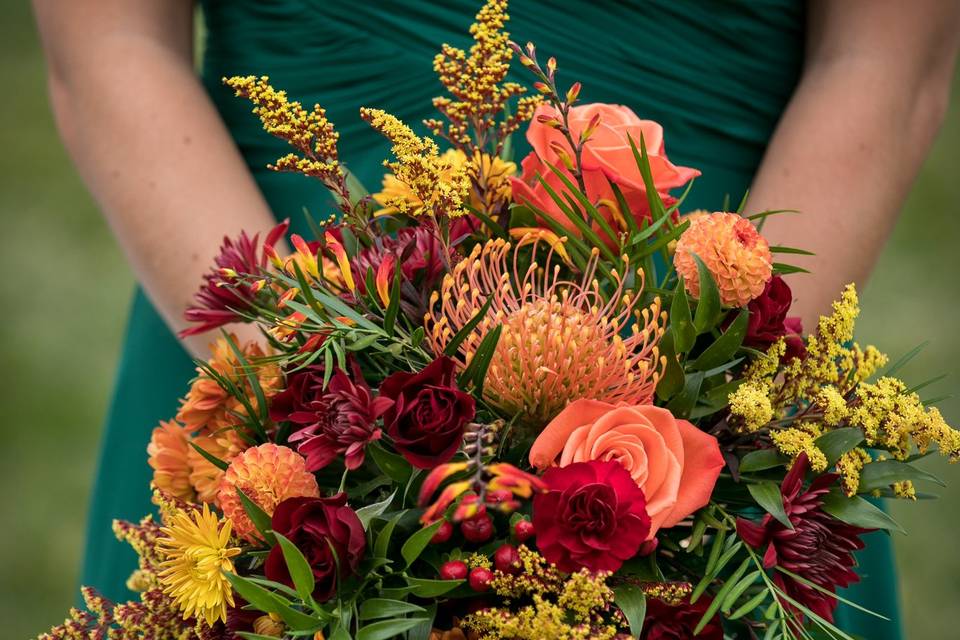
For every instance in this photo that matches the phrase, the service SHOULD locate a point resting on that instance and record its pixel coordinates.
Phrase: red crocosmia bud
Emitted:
(523, 531)
(480, 579)
(443, 533)
(507, 559)
(453, 570)
(478, 528)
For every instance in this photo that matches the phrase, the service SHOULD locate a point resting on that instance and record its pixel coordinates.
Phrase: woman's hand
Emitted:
(147, 141)
(874, 91)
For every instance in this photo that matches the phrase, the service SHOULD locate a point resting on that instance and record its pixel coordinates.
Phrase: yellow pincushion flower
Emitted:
(198, 553)
(736, 255)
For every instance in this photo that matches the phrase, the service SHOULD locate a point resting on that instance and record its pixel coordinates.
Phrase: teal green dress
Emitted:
(717, 75)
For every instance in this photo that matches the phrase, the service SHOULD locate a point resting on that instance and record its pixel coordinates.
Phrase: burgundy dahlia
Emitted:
(769, 322)
(593, 516)
(420, 252)
(229, 289)
(666, 622)
(339, 420)
(818, 549)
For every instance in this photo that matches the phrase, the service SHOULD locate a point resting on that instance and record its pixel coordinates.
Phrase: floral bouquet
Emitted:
(513, 406)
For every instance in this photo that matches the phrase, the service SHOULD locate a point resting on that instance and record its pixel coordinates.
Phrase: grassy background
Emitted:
(66, 288)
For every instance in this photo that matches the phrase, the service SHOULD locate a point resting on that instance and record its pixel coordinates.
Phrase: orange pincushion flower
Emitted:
(204, 475)
(732, 249)
(561, 340)
(208, 407)
(268, 475)
(169, 458)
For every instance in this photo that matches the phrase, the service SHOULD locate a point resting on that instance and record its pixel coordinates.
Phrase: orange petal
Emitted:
(342, 260)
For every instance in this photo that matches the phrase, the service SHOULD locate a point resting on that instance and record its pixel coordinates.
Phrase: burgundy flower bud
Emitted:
(453, 570)
(443, 533)
(507, 559)
(523, 531)
(478, 528)
(480, 579)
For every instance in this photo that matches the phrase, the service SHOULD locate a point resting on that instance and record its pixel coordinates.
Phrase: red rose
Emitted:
(429, 413)
(318, 527)
(593, 516)
(664, 622)
(769, 322)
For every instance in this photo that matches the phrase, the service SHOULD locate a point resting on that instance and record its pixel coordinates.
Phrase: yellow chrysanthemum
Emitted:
(198, 552)
(561, 341)
(736, 255)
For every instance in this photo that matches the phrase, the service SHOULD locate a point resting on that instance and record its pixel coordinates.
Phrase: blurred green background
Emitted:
(65, 289)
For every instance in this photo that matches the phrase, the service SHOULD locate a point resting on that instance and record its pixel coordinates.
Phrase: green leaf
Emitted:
(383, 538)
(212, 459)
(673, 376)
(761, 460)
(786, 269)
(371, 511)
(859, 513)
(730, 583)
(387, 628)
(883, 473)
(416, 543)
(739, 590)
(708, 302)
(476, 371)
(269, 602)
(681, 323)
(425, 628)
(392, 465)
(384, 608)
(257, 516)
(585, 203)
(726, 345)
(467, 329)
(751, 604)
(339, 633)
(837, 442)
(425, 588)
(633, 603)
(783, 249)
(683, 402)
(768, 496)
(905, 358)
(299, 568)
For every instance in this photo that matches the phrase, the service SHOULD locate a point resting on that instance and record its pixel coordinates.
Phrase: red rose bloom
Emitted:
(664, 622)
(819, 548)
(769, 322)
(315, 525)
(592, 516)
(429, 413)
(224, 294)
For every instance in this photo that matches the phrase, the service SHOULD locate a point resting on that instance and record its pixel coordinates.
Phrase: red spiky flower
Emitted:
(229, 289)
(819, 548)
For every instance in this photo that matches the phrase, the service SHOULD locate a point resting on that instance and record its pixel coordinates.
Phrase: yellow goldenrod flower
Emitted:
(794, 441)
(751, 403)
(198, 553)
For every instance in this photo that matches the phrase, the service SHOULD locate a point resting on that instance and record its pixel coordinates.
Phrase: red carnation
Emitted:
(339, 420)
(769, 322)
(592, 516)
(228, 290)
(429, 413)
(665, 622)
(819, 548)
(328, 534)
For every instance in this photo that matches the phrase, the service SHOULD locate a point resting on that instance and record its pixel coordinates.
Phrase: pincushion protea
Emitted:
(268, 475)
(561, 340)
(734, 252)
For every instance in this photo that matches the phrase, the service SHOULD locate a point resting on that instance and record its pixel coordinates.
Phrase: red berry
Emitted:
(507, 559)
(480, 579)
(443, 533)
(523, 530)
(453, 570)
(478, 528)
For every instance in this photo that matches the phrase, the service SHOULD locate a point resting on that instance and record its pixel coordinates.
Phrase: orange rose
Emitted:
(606, 156)
(675, 463)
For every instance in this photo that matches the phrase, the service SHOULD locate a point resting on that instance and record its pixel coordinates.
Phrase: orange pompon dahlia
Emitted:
(737, 256)
(169, 451)
(208, 407)
(204, 475)
(268, 475)
(561, 340)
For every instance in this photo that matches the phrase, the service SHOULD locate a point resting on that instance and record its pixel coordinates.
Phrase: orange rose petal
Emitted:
(702, 463)
(552, 439)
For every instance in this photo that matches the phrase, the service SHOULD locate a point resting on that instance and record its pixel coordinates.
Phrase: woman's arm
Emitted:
(874, 91)
(147, 140)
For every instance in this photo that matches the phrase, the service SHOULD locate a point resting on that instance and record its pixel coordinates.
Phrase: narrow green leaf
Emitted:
(859, 513)
(476, 371)
(371, 511)
(683, 402)
(761, 460)
(837, 442)
(425, 588)
(905, 358)
(212, 459)
(750, 605)
(416, 543)
(721, 595)
(883, 473)
(786, 269)
(633, 603)
(768, 496)
(257, 516)
(467, 329)
(739, 590)
(708, 302)
(586, 231)
(726, 345)
(585, 203)
(681, 323)
(299, 568)
(673, 376)
(373, 608)
(792, 250)
(269, 602)
(383, 538)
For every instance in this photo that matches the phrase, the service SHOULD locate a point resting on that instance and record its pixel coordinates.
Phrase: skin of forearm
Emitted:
(160, 164)
(844, 156)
